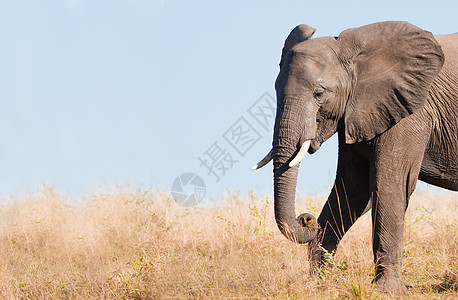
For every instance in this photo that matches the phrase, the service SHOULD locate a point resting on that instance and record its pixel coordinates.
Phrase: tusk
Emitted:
(264, 161)
(300, 155)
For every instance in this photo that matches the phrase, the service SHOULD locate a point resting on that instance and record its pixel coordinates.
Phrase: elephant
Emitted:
(390, 92)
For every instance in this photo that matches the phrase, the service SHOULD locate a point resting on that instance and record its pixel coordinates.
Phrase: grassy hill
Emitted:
(130, 243)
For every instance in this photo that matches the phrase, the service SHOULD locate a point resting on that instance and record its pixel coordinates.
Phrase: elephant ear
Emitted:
(394, 65)
(299, 34)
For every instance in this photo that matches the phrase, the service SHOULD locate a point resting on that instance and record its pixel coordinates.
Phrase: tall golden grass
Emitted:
(132, 243)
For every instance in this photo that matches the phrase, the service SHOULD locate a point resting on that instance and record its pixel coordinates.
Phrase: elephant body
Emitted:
(390, 92)
(440, 162)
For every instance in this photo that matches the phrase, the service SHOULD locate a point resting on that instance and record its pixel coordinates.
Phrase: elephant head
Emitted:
(359, 84)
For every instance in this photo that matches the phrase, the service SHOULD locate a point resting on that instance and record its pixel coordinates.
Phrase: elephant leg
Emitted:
(398, 154)
(348, 200)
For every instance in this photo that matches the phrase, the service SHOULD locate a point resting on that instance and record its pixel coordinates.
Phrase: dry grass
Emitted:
(139, 244)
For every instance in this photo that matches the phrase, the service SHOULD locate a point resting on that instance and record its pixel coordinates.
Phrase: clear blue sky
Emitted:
(99, 93)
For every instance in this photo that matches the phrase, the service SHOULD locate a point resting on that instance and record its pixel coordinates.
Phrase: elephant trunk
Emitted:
(304, 228)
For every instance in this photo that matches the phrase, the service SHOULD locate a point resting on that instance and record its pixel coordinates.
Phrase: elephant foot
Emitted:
(389, 280)
(319, 258)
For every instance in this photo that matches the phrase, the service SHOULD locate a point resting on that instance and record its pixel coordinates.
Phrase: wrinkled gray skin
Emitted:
(390, 91)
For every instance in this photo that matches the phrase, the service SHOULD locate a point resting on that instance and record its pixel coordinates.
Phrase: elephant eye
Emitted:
(318, 93)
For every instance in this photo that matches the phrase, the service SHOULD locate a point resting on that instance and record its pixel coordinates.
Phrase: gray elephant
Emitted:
(390, 91)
